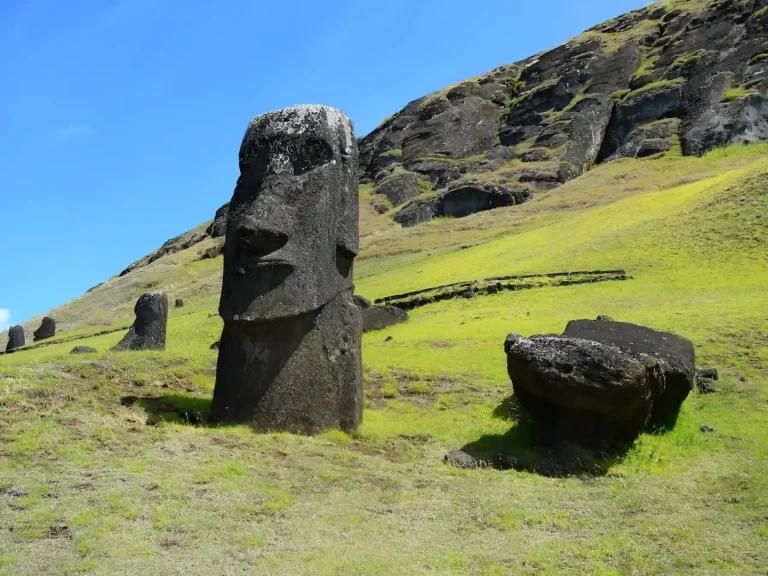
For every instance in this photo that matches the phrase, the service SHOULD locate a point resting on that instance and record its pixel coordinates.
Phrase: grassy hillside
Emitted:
(104, 467)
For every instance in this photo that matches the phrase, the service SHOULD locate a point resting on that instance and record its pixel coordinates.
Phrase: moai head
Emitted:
(292, 233)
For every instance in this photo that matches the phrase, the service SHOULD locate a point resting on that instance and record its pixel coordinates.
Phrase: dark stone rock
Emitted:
(15, 338)
(216, 345)
(469, 294)
(388, 339)
(417, 213)
(179, 303)
(460, 459)
(218, 228)
(675, 354)
(466, 200)
(47, 329)
(705, 372)
(400, 188)
(707, 428)
(642, 108)
(290, 350)
(148, 330)
(361, 302)
(378, 317)
(492, 290)
(83, 350)
(212, 252)
(648, 140)
(439, 172)
(583, 390)
(706, 385)
(535, 155)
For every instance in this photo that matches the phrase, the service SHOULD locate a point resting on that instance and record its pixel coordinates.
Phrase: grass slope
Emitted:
(104, 493)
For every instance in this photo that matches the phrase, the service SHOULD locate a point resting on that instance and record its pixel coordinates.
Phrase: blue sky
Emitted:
(120, 121)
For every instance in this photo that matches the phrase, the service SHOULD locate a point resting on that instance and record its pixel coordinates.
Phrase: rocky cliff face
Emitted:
(678, 76)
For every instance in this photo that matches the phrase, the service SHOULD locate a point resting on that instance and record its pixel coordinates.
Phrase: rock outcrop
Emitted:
(47, 329)
(15, 338)
(687, 78)
(149, 328)
(290, 351)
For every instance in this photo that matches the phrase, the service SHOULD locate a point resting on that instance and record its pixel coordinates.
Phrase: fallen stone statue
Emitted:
(290, 351)
(601, 381)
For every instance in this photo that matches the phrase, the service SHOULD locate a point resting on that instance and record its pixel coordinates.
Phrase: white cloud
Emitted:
(5, 319)
(73, 131)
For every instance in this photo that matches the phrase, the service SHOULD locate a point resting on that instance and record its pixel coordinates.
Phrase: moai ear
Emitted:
(347, 235)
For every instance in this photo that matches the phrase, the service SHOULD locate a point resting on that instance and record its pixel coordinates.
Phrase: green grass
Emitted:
(117, 487)
(738, 93)
(654, 86)
(758, 58)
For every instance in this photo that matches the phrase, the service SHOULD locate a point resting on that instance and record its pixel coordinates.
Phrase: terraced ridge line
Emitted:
(488, 286)
(65, 340)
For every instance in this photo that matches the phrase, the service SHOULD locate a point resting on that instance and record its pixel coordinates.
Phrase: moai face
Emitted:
(292, 233)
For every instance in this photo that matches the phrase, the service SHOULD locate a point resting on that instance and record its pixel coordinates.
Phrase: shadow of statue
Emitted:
(173, 408)
(529, 446)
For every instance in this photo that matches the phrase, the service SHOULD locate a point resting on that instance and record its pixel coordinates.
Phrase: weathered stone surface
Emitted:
(706, 372)
(379, 317)
(149, 328)
(466, 200)
(362, 302)
(399, 188)
(218, 227)
(83, 350)
(47, 329)
(675, 354)
(460, 459)
(642, 108)
(418, 212)
(15, 338)
(706, 385)
(289, 356)
(583, 390)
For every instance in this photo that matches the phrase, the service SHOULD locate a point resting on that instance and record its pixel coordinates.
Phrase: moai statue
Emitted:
(148, 330)
(47, 329)
(15, 338)
(289, 357)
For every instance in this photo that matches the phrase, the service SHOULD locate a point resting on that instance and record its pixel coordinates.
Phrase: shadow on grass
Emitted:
(174, 408)
(525, 447)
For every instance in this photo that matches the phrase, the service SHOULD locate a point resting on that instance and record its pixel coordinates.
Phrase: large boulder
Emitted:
(675, 354)
(15, 338)
(148, 330)
(379, 317)
(290, 351)
(47, 329)
(399, 188)
(583, 390)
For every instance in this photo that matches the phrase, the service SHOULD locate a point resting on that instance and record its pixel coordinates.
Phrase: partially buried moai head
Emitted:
(292, 232)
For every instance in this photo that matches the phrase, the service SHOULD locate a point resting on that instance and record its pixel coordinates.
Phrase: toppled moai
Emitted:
(148, 330)
(15, 338)
(290, 351)
(47, 329)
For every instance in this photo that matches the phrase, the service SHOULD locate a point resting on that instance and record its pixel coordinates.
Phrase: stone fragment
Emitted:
(148, 330)
(460, 459)
(290, 351)
(83, 350)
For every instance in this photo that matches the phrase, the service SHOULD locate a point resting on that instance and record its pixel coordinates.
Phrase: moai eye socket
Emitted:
(310, 154)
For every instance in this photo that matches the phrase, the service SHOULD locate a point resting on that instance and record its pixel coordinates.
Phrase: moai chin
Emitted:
(290, 352)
